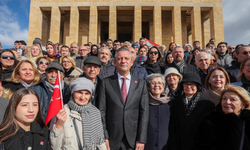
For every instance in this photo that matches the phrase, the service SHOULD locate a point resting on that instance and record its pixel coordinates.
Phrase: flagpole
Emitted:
(59, 75)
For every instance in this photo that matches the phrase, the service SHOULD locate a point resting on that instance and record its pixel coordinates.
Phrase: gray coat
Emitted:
(225, 61)
(3, 105)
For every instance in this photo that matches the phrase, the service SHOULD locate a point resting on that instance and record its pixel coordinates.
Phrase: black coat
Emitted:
(233, 71)
(223, 131)
(12, 85)
(182, 128)
(159, 116)
(187, 68)
(6, 73)
(154, 68)
(39, 137)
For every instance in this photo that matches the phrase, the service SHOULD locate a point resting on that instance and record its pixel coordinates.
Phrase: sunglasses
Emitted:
(152, 52)
(6, 57)
(246, 52)
(42, 62)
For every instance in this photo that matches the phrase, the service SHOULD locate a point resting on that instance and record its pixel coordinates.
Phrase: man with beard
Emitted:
(44, 89)
(202, 61)
(107, 68)
(83, 52)
(179, 62)
(224, 58)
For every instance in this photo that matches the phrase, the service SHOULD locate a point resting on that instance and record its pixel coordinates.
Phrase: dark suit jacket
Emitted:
(121, 119)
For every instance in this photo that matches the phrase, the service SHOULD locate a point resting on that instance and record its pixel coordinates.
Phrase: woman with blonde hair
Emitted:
(24, 75)
(34, 53)
(227, 127)
(71, 71)
(215, 83)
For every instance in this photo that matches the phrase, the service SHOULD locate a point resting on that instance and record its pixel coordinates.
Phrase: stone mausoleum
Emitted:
(161, 21)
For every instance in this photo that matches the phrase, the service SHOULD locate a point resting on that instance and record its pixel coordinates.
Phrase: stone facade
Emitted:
(161, 21)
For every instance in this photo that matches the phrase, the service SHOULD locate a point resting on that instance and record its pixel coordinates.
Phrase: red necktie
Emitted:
(124, 89)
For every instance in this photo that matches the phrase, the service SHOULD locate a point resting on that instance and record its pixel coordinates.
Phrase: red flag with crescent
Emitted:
(56, 102)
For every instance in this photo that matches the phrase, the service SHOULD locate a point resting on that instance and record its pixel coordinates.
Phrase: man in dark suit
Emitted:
(123, 102)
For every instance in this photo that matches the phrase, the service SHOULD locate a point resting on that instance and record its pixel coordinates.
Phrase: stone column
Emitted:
(73, 26)
(137, 31)
(206, 32)
(196, 24)
(45, 29)
(157, 25)
(216, 23)
(35, 24)
(184, 27)
(176, 24)
(112, 23)
(55, 24)
(93, 24)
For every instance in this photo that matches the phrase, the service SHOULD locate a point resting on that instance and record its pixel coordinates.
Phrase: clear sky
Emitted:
(14, 21)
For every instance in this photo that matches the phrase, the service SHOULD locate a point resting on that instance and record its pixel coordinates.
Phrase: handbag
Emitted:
(77, 136)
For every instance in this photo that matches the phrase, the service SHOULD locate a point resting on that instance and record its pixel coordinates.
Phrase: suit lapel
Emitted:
(115, 84)
(133, 84)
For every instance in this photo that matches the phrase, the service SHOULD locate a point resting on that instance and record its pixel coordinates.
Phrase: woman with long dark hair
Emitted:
(23, 127)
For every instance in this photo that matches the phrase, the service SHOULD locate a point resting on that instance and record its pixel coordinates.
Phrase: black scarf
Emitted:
(67, 73)
(191, 104)
(245, 83)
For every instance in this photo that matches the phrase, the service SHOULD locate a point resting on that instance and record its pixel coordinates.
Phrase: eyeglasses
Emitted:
(231, 48)
(42, 62)
(83, 50)
(246, 52)
(189, 84)
(6, 57)
(66, 62)
(156, 83)
(153, 52)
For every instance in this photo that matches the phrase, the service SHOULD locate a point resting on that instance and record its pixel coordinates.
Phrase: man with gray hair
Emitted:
(107, 68)
(83, 52)
(74, 50)
(123, 102)
(202, 61)
(179, 62)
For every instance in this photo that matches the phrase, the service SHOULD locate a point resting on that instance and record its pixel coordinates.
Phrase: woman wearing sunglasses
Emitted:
(153, 57)
(24, 75)
(42, 63)
(7, 64)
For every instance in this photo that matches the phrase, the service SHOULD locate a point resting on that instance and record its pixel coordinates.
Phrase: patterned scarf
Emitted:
(141, 58)
(180, 66)
(92, 129)
(191, 103)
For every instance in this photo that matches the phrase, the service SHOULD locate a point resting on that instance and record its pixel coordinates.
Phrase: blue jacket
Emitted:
(45, 96)
(138, 71)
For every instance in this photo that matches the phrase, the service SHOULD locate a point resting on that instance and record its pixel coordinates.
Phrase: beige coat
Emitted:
(66, 138)
(74, 74)
(212, 96)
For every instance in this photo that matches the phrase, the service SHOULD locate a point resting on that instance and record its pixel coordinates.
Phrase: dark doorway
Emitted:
(125, 31)
(145, 30)
(104, 31)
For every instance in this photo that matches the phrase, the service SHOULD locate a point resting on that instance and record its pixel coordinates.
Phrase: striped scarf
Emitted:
(92, 129)
(180, 66)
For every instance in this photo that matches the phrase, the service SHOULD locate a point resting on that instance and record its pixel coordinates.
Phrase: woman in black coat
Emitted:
(153, 57)
(22, 127)
(159, 113)
(228, 127)
(188, 110)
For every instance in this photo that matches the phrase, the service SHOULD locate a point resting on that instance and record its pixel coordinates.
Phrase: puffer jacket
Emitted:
(225, 61)
(66, 138)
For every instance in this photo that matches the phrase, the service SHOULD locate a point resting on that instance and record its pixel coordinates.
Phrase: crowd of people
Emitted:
(126, 96)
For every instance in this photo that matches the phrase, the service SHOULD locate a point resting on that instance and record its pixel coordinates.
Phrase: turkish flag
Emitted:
(150, 43)
(56, 102)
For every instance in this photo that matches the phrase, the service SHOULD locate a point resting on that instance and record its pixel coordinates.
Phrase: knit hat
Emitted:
(55, 66)
(172, 70)
(188, 45)
(192, 77)
(37, 41)
(135, 44)
(82, 84)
